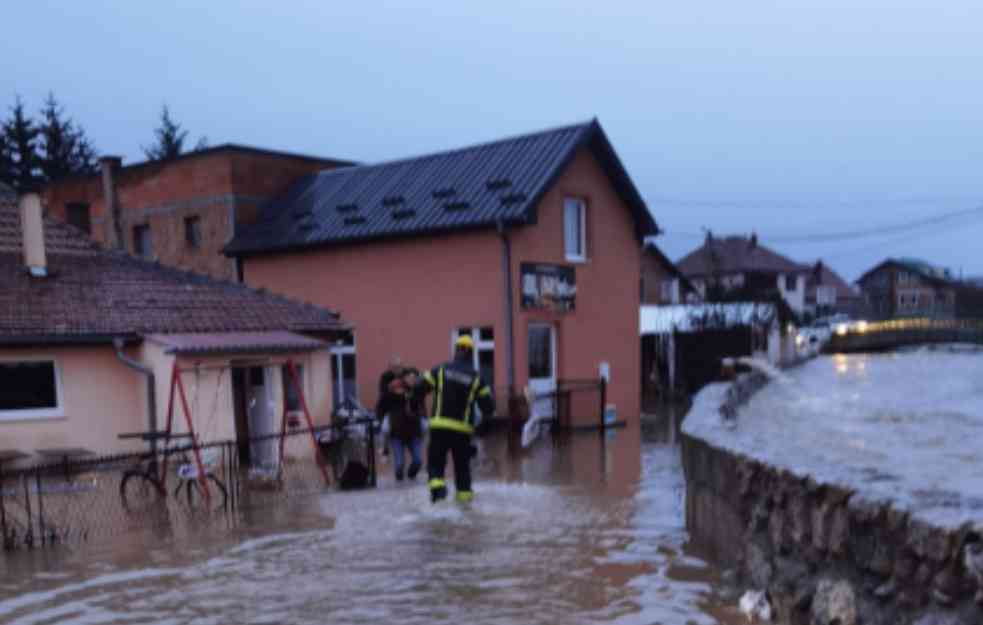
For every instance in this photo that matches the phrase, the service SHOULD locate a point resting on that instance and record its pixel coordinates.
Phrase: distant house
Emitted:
(662, 282)
(529, 244)
(64, 302)
(905, 287)
(740, 268)
(827, 293)
(181, 211)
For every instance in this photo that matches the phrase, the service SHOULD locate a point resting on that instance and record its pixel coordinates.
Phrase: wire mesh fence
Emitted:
(79, 499)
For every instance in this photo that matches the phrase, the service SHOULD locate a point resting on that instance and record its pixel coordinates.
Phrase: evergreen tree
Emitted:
(64, 148)
(20, 136)
(169, 139)
(6, 161)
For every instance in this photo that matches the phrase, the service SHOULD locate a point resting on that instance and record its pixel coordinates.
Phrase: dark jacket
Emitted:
(457, 387)
(385, 380)
(405, 411)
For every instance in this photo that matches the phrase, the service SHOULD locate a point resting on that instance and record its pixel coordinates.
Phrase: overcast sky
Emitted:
(792, 118)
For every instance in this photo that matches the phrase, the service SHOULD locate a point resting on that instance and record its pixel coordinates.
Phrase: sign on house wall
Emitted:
(548, 287)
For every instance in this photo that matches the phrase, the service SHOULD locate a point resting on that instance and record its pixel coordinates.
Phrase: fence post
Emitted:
(604, 401)
(29, 536)
(3, 511)
(371, 458)
(37, 485)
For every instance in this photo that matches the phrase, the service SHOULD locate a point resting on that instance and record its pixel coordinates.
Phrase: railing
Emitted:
(886, 334)
(77, 499)
(577, 404)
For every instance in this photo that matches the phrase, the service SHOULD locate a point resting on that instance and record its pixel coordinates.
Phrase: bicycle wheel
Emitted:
(216, 490)
(139, 491)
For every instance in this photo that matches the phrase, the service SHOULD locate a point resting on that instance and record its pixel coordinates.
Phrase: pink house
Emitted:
(531, 244)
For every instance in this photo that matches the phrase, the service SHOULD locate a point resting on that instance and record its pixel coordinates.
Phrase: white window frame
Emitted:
(34, 414)
(667, 294)
(339, 351)
(479, 344)
(826, 295)
(575, 257)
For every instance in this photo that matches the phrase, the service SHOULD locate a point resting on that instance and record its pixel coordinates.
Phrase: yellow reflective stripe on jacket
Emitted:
(485, 392)
(439, 399)
(454, 425)
(474, 391)
(429, 378)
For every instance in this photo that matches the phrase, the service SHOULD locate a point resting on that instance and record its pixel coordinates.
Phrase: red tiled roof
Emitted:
(735, 254)
(238, 342)
(92, 294)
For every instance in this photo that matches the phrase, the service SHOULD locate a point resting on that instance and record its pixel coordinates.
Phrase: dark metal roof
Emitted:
(923, 269)
(471, 187)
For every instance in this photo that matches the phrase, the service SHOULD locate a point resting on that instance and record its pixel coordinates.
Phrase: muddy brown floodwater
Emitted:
(581, 529)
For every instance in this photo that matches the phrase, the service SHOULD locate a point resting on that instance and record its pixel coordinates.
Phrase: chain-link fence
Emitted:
(78, 499)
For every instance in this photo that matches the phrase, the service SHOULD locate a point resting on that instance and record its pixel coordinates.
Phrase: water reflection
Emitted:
(582, 528)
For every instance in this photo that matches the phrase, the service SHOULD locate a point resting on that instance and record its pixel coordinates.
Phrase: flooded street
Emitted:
(580, 530)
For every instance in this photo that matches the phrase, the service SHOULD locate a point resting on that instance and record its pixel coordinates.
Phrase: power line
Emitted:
(880, 231)
(848, 235)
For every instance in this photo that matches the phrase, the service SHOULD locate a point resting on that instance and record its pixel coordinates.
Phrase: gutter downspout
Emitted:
(151, 389)
(510, 337)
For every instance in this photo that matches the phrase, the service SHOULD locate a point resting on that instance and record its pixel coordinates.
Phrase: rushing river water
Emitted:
(581, 530)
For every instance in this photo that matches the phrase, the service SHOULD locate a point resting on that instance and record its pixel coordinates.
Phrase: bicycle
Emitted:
(145, 487)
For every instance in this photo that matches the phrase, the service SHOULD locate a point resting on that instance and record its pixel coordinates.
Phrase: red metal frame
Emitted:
(295, 380)
(177, 384)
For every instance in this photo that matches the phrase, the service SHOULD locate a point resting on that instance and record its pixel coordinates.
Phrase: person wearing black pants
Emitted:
(457, 387)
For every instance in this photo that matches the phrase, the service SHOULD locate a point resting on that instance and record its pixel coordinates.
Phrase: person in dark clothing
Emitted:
(404, 405)
(456, 387)
(387, 381)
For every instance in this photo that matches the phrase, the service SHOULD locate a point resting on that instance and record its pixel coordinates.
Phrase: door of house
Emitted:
(542, 366)
(259, 402)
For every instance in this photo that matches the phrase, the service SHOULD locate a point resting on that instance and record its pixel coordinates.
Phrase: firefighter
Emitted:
(457, 387)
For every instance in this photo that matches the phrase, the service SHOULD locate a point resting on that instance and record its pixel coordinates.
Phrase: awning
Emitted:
(696, 317)
(279, 341)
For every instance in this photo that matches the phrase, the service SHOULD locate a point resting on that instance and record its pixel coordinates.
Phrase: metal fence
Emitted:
(79, 499)
(577, 404)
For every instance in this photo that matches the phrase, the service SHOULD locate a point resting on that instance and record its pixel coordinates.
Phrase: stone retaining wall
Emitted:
(825, 555)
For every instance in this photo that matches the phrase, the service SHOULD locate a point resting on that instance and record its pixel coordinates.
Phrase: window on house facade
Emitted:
(192, 231)
(343, 372)
(789, 282)
(666, 296)
(484, 350)
(574, 229)
(825, 296)
(902, 277)
(142, 245)
(31, 389)
(77, 214)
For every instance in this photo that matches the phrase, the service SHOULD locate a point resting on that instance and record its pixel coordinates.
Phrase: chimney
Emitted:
(114, 223)
(709, 237)
(753, 243)
(32, 229)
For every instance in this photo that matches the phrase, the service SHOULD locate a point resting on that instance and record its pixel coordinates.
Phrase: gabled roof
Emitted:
(472, 187)
(653, 250)
(828, 277)
(92, 295)
(735, 254)
(923, 269)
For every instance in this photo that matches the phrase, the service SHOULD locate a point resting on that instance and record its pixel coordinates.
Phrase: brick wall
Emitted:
(219, 187)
